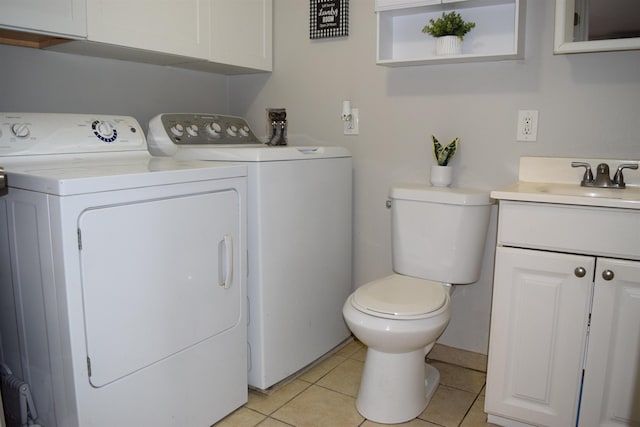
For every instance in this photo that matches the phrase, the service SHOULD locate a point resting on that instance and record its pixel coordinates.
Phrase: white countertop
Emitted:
(553, 180)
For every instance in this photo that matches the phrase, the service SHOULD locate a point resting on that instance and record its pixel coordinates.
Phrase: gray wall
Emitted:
(43, 81)
(589, 106)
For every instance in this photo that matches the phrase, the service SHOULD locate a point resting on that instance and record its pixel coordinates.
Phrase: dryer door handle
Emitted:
(225, 261)
(4, 186)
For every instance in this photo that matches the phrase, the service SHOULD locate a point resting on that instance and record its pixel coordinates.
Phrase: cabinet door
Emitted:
(61, 17)
(241, 33)
(538, 329)
(611, 392)
(166, 26)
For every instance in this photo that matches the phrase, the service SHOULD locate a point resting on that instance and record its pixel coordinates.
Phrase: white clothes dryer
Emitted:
(299, 237)
(123, 276)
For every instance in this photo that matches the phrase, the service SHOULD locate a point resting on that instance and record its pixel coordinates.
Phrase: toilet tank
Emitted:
(439, 233)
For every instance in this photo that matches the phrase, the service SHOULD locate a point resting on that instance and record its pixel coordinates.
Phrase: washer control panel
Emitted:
(191, 129)
(173, 131)
(53, 133)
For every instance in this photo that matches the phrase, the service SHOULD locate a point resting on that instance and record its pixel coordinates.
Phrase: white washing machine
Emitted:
(123, 276)
(299, 237)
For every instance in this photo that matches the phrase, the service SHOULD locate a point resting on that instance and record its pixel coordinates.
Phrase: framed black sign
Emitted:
(328, 18)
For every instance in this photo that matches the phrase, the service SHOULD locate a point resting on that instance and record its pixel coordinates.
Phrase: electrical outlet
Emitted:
(527, 125)
(352, 127)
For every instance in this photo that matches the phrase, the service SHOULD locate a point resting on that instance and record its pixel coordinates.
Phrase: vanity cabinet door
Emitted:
(538, 332)
(611, 395)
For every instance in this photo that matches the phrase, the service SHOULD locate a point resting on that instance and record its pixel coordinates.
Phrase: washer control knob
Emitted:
(21, 130)
(177, 129)
(244, 130)
(192, 130)
(232, 130)
(214, 129)
(105, 131)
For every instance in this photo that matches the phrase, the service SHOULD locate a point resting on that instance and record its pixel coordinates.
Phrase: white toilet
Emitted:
(438, 237)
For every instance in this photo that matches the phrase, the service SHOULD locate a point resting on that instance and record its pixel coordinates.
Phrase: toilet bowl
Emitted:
(399, 318)
(438, 237)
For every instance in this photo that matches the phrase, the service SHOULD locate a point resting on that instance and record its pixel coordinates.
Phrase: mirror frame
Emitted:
(563, 35)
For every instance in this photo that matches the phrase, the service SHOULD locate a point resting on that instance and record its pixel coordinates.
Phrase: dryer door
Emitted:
(153, 279)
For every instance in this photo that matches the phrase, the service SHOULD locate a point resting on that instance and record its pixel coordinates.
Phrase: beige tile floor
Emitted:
(324, 396)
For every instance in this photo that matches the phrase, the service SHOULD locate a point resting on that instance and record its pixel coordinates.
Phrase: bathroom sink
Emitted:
(553, 180)
(571, 194)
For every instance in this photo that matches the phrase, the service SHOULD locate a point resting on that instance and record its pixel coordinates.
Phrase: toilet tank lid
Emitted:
(446, 195)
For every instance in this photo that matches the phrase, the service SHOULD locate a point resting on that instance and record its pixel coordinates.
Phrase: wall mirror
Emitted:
(596, 25)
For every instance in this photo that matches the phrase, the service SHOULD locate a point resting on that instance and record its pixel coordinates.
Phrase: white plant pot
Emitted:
(448, 45)
(441, 176)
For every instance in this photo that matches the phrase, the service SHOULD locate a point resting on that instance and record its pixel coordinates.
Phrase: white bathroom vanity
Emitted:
(565, 342)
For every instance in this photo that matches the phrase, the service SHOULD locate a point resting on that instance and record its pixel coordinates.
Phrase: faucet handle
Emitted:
(588, 175)
(618, 179)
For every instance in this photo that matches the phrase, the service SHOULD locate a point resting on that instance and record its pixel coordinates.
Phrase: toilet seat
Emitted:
(400, 297)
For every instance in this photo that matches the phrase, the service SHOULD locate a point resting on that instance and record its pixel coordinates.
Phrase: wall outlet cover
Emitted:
(527, 125)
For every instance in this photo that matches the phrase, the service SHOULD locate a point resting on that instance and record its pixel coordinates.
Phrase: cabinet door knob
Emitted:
(607, 275)
(580, 271)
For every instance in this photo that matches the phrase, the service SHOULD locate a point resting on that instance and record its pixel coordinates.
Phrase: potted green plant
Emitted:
(449, 31)
(442, 173)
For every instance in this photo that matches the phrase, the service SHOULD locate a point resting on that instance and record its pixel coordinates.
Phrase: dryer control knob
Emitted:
(213, 129)
(232, 130)
(21, 130)
(244, 130)
(177, 129)
(192, 130)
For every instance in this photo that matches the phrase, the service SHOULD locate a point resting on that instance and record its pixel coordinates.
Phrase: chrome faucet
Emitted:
(602, 179)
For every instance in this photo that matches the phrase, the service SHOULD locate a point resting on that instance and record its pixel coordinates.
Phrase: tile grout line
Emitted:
(466, 414)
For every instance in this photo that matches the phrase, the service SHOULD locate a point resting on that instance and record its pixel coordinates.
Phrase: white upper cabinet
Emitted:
(498, 34)
(227, 36)
(241, 33)
(58, 17)
(174, 27)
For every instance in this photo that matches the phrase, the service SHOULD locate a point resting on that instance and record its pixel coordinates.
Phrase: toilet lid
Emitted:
(401, 295)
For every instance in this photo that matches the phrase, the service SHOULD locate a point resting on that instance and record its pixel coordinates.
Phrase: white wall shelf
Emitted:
(498, 34)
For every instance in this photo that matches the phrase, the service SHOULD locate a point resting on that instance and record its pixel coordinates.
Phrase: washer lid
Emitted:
(263, 153)
(401, 295)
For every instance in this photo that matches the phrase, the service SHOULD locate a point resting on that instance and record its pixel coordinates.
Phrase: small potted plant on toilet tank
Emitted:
(449, 31)
(442, 173)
